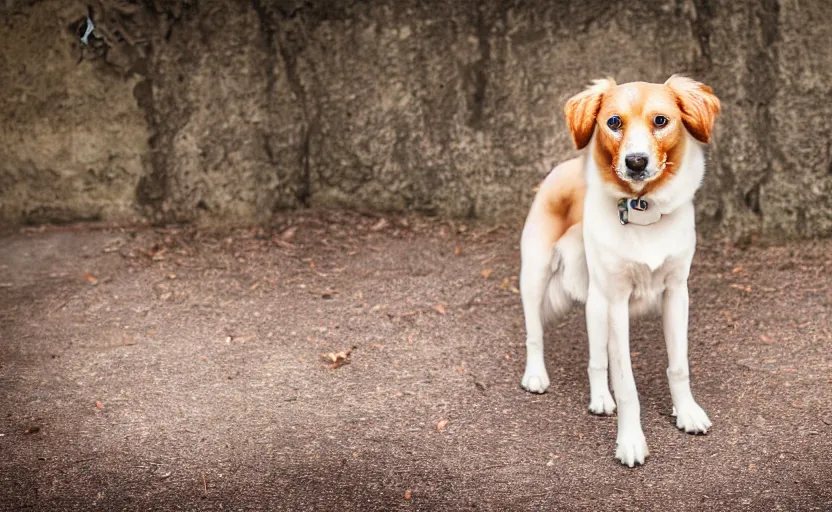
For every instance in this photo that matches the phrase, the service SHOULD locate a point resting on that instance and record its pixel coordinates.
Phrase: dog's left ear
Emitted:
(698, 103)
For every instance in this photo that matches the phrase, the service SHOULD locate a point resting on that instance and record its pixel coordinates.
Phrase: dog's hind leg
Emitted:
(557, 206)
(535, 272)
(540, 233)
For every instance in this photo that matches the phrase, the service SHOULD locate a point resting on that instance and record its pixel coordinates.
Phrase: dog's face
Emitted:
(639, 128)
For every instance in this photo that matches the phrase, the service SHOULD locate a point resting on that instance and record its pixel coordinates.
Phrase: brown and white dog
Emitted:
(614, 228)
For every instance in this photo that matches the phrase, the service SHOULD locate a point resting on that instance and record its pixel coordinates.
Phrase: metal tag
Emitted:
(637, 211)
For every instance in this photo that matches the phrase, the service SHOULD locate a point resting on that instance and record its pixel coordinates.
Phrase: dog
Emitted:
(614, 229)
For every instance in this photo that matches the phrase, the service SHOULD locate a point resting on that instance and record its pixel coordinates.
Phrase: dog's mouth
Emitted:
(637, 177)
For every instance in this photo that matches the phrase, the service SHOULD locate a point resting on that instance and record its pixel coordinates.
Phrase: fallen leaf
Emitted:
(91, 278)
(312, 265)
(378, 226)
(514, 289)
(508, 357)
(746, 289)
(487, 272)
(171, 276)
(288, 233)
(254, 286)
(440, 308)
(410, 339)
(32, 430)
(441, 425)
(457, 251)
(355, 454)
(284, 244)
(337, 359)
(765, 339)
(460, 369)
(736, 270)
(505, 284)
(408, 494)
(99, 405)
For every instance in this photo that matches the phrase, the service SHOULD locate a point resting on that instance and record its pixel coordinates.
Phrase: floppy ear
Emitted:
(698, 104)
(582, 109)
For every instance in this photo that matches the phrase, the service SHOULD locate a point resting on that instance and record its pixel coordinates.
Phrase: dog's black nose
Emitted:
(636, 163)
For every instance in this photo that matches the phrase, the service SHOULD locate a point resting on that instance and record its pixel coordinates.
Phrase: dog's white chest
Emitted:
(648, 286)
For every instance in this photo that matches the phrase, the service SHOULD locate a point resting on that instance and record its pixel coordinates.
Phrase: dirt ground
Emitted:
(173, 369)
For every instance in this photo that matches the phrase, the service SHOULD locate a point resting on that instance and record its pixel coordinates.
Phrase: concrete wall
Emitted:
(224, 111)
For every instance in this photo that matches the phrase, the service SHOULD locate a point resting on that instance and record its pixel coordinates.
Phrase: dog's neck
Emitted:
(677, 191)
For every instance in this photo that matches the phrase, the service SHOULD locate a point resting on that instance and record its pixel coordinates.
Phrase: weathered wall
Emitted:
(226, 111)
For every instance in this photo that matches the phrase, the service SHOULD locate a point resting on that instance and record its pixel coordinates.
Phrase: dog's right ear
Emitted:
(582, 109)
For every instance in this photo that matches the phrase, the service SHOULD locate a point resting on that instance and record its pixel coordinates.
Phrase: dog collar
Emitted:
(636, 211)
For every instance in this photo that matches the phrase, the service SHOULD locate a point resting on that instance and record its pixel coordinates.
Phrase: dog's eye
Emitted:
(614, 123)
(660, 121)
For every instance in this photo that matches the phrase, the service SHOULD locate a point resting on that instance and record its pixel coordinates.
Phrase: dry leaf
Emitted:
(91, 278)
(514, 289)
(441, 425)
(408, 494)
(99, 405)
(440, 308)
(457, 251)
(410, 339)
(746, 289)
(487, 272)
(289, 233)
(460, 369)
(765, 339)
(337, 359)
(378, 226)
(505, 284)
(736, 270)
(312, 265)
(508, 357)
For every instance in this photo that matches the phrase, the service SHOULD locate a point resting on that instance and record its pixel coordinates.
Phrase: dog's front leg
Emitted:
(631, 447)
(689, 415)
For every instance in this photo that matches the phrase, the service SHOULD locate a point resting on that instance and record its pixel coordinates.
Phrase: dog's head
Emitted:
(639, 128)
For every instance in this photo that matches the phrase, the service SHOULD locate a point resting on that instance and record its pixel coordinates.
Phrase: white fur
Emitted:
(619, 272)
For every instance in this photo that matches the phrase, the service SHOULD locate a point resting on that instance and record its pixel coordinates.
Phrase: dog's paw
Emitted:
(535, 380)
(631, 447)
(602, 404)
(692, 419)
